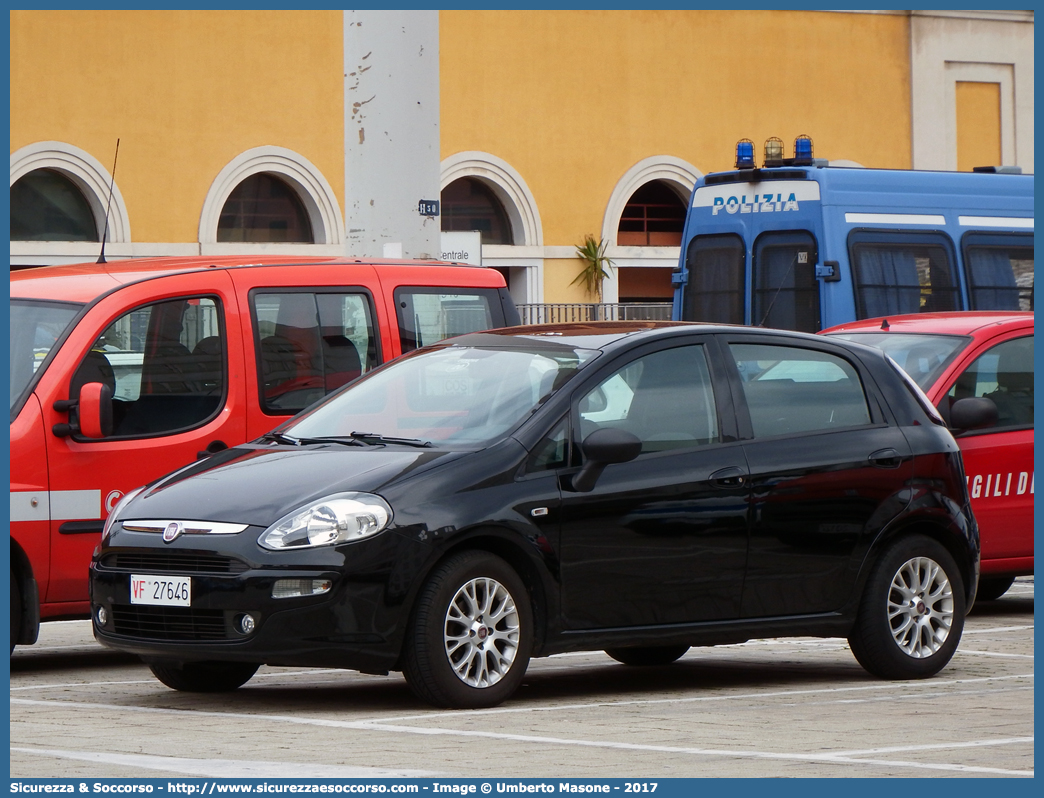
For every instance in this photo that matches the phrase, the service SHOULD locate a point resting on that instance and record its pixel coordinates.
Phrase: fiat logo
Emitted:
(171, 532)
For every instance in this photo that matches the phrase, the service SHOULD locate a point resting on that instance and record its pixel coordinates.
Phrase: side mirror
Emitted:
(973, 412)
(95, 410)
(601, 448)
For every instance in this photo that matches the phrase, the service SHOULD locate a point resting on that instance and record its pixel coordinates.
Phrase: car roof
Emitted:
(83, 282)
(604, 334)
(965, 322)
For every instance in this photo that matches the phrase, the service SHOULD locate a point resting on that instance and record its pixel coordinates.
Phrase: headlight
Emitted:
(340, 518)
(114, 515)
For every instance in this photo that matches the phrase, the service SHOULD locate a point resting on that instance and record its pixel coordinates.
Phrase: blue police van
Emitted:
(800, 245)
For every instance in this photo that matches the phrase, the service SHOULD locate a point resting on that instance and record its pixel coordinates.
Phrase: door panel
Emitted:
(661, 539)
(175, 374)
(821, 466)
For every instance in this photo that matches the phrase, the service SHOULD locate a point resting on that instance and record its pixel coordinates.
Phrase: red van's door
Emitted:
(176, 374)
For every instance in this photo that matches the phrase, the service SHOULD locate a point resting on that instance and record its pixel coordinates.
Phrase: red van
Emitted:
(980, 355)
(125, 371)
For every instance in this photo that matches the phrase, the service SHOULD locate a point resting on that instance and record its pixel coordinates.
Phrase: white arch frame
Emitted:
(86, 173)
(314, 191)
(508, 186)
(680, 175)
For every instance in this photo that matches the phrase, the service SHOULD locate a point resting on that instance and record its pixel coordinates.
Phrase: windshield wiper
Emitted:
(376, 438)
(354, 439)
(278, 437)
(344, 440)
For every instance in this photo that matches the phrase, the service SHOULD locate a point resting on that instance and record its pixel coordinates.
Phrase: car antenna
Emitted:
(884, 324)
(112, 181)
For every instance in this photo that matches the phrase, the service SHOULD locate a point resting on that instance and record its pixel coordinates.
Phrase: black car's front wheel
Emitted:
(204, 677)
(470, 635)
(912, 613)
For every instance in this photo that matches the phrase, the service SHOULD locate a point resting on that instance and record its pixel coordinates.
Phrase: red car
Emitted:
(978, 355)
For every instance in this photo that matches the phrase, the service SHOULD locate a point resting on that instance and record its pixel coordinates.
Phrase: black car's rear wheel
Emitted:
(204, 677)
(471, 633)
(912, 612)
(993, 587)
(647, 655)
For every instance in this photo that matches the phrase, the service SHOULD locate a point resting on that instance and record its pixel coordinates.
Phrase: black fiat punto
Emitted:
(637, 487)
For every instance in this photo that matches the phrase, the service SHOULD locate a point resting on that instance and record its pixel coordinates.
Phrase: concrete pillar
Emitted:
(391, 124)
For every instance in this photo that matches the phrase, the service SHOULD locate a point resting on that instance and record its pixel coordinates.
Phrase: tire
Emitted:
(992, 588)
(470, 635)
(16, 610)
(911, 615)
(647, 655)
(204, 677)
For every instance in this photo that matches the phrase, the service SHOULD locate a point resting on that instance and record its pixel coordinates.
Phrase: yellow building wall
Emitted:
(978, 125)
(573, 99)
(185, 92)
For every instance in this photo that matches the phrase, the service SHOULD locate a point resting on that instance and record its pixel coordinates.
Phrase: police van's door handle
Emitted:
(886, 458)
(730, 477)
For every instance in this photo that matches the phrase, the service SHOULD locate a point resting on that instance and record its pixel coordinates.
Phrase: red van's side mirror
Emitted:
(95, 410)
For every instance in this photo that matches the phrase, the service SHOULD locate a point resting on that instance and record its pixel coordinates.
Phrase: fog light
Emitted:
(247, 624)
(293, 588)
(102, 616)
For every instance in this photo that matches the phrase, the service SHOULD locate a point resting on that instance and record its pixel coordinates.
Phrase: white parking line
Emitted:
(390, 726)
(232, 768)
(995, 654)
(756, 697)
(968, 631)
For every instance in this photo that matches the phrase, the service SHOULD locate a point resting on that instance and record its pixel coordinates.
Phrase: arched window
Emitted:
(264, 209)
(653, 217)
(48, 206)
(469, 204)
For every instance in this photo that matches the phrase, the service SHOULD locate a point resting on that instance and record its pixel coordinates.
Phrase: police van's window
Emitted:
(999, 268)
(786, 292)
(790, 390)
(717, 279)
(165, 366)
(310, 344)
(427, 315)
(1005, 375)
(902, 274)
(665, 398)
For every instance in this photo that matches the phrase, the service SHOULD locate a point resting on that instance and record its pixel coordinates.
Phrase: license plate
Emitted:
(164, 591)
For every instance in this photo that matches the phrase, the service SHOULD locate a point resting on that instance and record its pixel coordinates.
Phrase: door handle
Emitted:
(885, 458)
(730, 477)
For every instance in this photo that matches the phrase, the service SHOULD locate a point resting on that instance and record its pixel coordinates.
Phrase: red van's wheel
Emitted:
(16, 610)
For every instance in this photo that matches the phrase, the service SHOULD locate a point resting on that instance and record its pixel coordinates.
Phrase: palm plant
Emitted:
(592, 253)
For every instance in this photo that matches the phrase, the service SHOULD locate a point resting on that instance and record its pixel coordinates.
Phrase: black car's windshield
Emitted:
(921, 355)
(35, 327)
(457, 395)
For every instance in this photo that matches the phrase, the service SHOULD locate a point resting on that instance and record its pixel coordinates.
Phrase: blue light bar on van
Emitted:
(745, 154)
(803, 151)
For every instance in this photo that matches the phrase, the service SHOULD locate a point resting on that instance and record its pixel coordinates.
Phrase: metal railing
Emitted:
(560, 312)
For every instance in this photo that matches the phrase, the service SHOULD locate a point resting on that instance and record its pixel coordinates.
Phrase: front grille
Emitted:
(169, 623)
(177, 562)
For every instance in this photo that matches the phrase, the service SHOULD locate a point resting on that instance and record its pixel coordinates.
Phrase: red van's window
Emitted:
(427, 315)
(310, 344)
(165, 365)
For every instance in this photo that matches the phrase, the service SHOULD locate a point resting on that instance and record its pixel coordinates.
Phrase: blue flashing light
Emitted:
(745, 154)
(803, 150)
